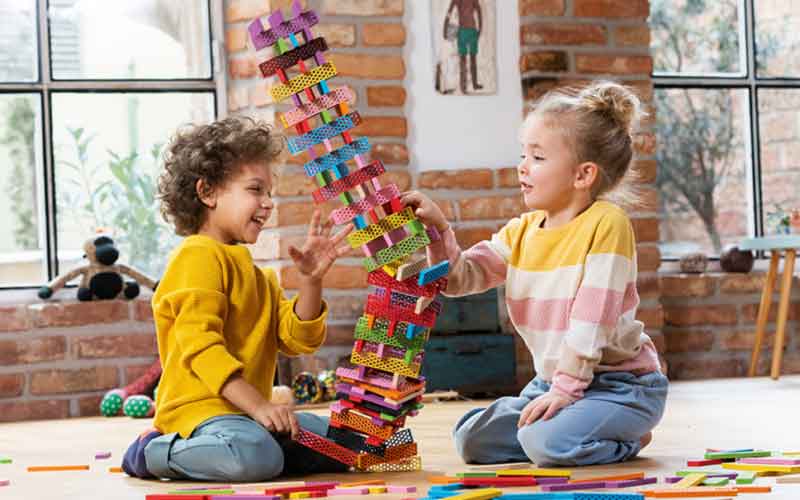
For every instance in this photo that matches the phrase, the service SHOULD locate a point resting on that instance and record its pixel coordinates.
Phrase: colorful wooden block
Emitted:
(377, 490)
(360, 490)
(411, 268)
(404, 465)
(574, 486)
(318, 135)
(337, 157)
(433, 273)
(288, 59)
(326, 447)
(535, 472)
(615, 477)
(476, 474)
(102, 455)
(55, 468)
(715, 481)
(690, 480)
(385, 225)
(770, 461)
(370, 482)
(746, 477)
(500, 482)
(401, 489)
(763, 469)
(702, 463)
(722, 455)
(264, 38)
(322, 103)
(628, 483)
(482, 494)
(345, 214)
(4, 460)
(5, 482)
(695, 492)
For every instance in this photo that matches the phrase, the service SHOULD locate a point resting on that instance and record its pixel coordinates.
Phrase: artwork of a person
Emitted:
(470, 23)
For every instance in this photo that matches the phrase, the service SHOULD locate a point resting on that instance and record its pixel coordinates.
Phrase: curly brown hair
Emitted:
(213, 153)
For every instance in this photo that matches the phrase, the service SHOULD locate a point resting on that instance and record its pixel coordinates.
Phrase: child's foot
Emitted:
(133, 463)
(645, 440)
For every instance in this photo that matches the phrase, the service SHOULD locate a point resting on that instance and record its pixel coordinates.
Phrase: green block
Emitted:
(405, 247)
(202, 492)
(746, 477)
(737, 454)
(716, 481)
(702, 470)
(380, 334)
(476, 474)
(5, 460)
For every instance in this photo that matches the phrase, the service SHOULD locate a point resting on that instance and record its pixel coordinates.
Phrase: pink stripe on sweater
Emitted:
(488, 260)
(602, 305)
(535, 314)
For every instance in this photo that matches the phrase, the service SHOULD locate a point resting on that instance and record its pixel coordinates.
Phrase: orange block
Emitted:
(358, 423)
(753, 489)
(51, 468)
(694, 492)
(374, 482)
(115, 470)
(443, 480)
(619, 477)
(403, 451)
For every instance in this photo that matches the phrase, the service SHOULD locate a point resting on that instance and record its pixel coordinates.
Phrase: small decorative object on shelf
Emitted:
(734, 260)
(695, 262)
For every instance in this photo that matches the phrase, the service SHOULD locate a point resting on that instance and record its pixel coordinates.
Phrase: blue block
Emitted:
(433, 273)
(412, 330)
(607, 496)
(448, 487)
(318, 135)
(337, 156)
(550, 495)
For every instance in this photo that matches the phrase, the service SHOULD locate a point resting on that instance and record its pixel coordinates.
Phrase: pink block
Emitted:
(348, 491)
(5, 482)
(102, 455)
(769, 461)
(401, 489)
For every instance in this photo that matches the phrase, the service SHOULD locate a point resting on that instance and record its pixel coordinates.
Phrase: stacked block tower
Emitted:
(383, 386)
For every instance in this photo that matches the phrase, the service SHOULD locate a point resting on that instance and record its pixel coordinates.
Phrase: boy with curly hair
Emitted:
(220, 320)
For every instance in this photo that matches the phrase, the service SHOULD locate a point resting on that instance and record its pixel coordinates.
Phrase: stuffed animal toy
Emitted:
(132, 400)
(102, 277)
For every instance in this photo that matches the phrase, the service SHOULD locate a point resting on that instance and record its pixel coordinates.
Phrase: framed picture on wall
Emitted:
(465, 46)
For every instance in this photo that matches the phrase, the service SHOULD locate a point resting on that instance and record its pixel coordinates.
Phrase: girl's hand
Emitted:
(320, 250)
(277, 418)
(545, 406)
(425, 209)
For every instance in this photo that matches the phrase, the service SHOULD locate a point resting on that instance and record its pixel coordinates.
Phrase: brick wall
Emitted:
(709, 328)
(57, 359)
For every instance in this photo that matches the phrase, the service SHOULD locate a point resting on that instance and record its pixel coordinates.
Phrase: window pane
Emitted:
(779, 133)
(129, 39)
(18, 41)
(107, 159)
(703, 169)
(22, 239)
(777, 38)
(697, 37)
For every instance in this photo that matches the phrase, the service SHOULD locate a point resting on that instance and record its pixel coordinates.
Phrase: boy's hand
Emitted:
(425, 209)
(545, 406)
(320, 249)
(277, 418)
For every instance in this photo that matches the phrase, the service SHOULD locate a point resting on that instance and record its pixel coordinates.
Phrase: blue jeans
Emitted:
(236, 448)
(604, 427)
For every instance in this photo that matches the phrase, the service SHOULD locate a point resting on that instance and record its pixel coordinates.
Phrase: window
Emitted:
(90, 91)
(727, 87)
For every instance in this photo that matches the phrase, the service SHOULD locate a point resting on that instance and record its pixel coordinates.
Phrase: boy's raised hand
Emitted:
(320, 249)
(425, 209)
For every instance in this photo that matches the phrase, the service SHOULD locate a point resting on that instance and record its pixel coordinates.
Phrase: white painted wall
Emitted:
(455, 132)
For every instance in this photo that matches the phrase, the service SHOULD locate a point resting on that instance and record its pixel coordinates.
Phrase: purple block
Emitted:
(552, 480)
(631, 482)
(102, 455)
(245, 496)
(574, 486)
(206, 488)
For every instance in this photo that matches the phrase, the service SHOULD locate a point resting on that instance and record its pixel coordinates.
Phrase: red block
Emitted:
(176, 497)
(702, 462)
(323, 487)
(499, 481)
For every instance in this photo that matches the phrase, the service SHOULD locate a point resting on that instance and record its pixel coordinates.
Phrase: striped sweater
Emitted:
(570, 292)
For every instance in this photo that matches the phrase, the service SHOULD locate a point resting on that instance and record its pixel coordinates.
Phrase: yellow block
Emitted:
(300, 494)
(377, 489)
(690, 480)
(484, 494)
(535, 472)
(786, 469)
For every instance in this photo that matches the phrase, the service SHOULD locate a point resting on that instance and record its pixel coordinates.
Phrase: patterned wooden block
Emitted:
(292, 57)
(302, 82)
(383, 226)
(336, 157)
(262, 38)
(337, 97)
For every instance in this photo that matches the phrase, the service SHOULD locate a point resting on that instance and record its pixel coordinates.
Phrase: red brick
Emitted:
(293, 213)
(11, 385)
(383, 35)
(390, 153)
(544, 60)
(467, 237)
(15, 319)
(687, 285)
(363, 7)
(648, 199)
(78, 313)
(143, 310)
(744, 340)
(652, 317)
(339, 276)
(716, 314)
(339, 335)
(258, 94)
(15, 411)
(457, 179)
(89, 406)
(648, 258)
(399, 178)
(346, 307)
(632, 36)
(368, 66)
(613, 64)
(646, 170)
(490, 207)
(563, 34)
(383, 126)
(447, 206)
(612, 8)
(238, 10)
(689, 340)
(386, 95)
(646, 229)
(115, 346)
(132, 372)
(750, 312)
(645, 143)
(705, 368)
(240, 68)
(648, 286)
(17, 352)
(337, 35)
(235, 39)
(541, 7)
(508, 177)
(297, 240)
(295, 185)
(68, 381)
(659, 341)
(742, 282)
(267, 7)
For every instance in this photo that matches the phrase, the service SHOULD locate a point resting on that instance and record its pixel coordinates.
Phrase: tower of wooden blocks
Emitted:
(383, 386)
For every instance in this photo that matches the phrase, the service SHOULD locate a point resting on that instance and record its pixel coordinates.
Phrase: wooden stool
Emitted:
(776, 245)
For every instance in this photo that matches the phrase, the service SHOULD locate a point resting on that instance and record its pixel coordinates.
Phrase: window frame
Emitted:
(45, 87)
(753, 83)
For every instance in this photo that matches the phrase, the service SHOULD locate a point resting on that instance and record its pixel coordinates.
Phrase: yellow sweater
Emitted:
(217, 314)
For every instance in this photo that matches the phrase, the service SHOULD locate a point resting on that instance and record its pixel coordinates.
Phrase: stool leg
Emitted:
(783, 312)
(763, 310)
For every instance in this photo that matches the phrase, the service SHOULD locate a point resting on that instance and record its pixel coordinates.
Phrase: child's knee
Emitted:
(543, 446)
(254, 460)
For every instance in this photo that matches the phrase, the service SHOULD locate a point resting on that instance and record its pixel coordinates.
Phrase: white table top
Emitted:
(783, 241)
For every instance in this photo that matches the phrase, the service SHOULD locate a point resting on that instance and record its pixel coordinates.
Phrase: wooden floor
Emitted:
(729, 414)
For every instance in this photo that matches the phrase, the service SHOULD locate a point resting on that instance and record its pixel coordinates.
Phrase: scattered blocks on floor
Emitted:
(5, 482)
(102, 455)
(690, 480)
(535, 472)
(54, 468)
(4, 460)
